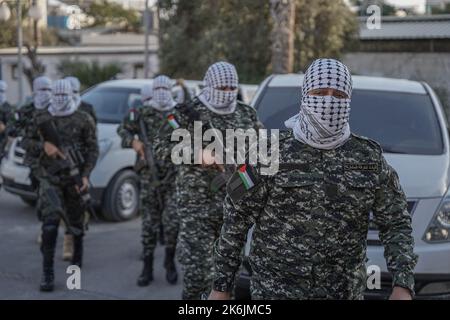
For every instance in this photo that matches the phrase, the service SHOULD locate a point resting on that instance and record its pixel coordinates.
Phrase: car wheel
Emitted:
(122, 197)
(30, 202)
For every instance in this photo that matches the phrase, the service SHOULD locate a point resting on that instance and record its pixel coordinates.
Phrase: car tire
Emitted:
(121, 200)
(30, 202)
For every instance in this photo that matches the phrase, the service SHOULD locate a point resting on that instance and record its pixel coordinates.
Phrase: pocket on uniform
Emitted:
(360, 187)
(296, 187)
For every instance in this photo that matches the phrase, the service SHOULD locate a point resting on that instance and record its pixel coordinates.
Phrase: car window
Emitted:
(111, 104)
(400, 122)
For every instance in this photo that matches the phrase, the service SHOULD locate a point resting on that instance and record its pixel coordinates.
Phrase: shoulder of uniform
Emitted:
(370, 143)
(83, 115)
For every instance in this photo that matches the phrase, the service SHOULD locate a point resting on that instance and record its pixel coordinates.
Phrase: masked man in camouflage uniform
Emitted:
(5, 115)
(199, 200)
(312, 217)
(59, 195)
(42, 95)
(157, 198)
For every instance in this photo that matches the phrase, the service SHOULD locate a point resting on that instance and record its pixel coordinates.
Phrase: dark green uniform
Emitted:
(77, 131)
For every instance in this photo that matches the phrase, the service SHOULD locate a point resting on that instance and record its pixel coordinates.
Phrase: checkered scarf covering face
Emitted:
(42, 94)
(162, 94)
(323, 121)
(62, 103)
(220, 74)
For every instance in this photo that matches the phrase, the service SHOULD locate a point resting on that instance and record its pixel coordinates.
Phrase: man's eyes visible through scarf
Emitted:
(226, 88)
(328, 92)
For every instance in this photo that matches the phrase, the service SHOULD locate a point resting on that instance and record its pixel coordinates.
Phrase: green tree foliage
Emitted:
(8, 30)
(89, 74)
(113, 14)
(325, 29)
(196, 33)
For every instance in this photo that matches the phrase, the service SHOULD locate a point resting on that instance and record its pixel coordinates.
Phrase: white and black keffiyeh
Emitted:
(323, 121)
(62, 103)
(42, 92)
(220, 74)
(162, 93)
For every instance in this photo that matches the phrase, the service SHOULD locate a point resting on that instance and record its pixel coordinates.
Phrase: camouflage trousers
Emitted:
(153, 216)
(201, 215)
(67, 199)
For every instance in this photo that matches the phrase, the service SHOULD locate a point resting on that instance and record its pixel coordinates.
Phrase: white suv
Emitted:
(407, 119)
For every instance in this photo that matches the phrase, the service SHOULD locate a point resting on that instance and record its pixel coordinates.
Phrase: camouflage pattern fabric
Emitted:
(311, 222)
(89, 109)
(199, 207)
(5, 118)
(77, 130)
(152, 216)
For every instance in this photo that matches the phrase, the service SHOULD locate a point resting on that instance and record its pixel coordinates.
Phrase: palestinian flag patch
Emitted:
(247, 177)
(173, 122)
(132, 115)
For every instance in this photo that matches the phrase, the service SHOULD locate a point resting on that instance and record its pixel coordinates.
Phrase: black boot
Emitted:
(147, 273)
(49, 234)
(77, 258)
(169, 264)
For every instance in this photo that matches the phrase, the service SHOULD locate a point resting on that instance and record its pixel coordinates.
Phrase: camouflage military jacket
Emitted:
(244, 117)
(76, 130)
(311, 223)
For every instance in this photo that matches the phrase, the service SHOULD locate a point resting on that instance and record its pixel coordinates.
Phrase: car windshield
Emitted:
(401, 122)
(111, 104)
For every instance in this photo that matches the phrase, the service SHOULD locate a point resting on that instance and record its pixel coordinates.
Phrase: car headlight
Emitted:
(104, 145)
(439, 228)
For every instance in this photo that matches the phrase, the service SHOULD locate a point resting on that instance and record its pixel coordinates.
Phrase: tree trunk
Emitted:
(283, 15)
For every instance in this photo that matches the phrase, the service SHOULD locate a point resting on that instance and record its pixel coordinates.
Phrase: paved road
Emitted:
(111, 261)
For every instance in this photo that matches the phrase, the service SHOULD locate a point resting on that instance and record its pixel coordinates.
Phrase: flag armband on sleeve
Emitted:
(241, 182)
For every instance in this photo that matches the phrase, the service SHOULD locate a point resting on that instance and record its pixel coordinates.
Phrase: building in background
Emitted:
(129, 57)
(414, 48)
